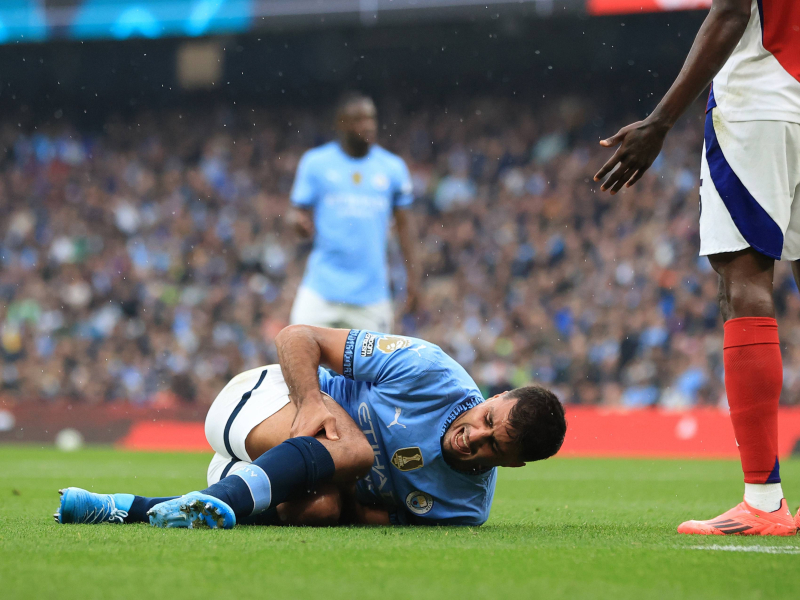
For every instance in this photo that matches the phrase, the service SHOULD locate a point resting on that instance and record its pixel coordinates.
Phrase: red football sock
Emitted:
(753, 381)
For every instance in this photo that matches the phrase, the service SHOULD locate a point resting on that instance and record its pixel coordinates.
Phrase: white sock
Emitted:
(763, 496)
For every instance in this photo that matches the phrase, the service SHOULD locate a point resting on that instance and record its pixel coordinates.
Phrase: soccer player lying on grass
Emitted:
(398, 434)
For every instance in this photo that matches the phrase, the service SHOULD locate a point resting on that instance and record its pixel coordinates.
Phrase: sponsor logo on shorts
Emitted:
(368, 345)
(390, 343)
(419, 503)
(408, 459)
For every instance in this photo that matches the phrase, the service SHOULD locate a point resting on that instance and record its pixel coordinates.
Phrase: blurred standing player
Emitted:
(750, 217)
(344, 194)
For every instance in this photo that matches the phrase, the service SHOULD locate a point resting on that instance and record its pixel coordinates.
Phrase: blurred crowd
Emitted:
(150, 261)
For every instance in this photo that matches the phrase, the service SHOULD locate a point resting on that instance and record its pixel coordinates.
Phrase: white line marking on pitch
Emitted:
(761, 549)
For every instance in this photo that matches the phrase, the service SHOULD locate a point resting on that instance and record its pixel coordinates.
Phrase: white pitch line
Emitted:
(760, 549)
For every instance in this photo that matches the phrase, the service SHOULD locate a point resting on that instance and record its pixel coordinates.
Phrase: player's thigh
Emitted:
(221, 466)
(309, 308)
(248, 400)
(745, 191)
(351, 453)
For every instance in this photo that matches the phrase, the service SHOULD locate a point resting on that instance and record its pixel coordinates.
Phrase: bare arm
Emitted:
(302, 219)
(407, 235)
(301, 350)
(641, 141)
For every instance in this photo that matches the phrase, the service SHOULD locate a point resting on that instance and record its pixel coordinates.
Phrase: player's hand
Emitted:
(639, 145)
(313, 417)
(303, 222)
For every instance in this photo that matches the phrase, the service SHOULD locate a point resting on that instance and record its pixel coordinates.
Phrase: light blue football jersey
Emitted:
(353, 200)
(404, 393)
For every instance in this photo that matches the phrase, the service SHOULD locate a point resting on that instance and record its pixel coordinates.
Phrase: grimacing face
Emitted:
(480, 438)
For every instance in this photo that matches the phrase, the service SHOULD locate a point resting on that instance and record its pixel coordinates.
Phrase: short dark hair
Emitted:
(536, 422)
(348, 98)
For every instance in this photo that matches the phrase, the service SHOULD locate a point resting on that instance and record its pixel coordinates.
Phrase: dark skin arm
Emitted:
(301, 350)
(406, 235)
(302, 219)
(640, 142)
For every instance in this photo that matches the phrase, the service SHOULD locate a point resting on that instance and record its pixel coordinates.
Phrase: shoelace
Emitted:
(108, 513)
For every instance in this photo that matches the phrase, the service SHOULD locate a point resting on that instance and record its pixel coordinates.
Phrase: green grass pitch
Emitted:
(565, 528)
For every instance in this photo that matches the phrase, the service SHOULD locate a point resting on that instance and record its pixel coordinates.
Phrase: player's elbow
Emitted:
(289, 332)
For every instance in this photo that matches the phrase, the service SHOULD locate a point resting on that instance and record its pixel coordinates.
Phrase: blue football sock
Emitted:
(138, 507)
(296, 465)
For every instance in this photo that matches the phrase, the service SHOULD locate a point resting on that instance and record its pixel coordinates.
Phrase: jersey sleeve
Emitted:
(382, 358)
(403, 192)
(304, 191)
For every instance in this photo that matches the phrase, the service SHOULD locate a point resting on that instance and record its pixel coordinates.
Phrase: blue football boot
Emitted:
(80, 506)
(194, 510)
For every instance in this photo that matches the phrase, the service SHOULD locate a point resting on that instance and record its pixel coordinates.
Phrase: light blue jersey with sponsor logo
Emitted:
(404, 393)
(352, 200)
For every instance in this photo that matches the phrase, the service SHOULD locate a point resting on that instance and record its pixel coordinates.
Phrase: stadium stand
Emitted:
(156, 250)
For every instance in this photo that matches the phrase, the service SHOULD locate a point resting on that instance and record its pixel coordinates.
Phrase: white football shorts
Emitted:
(750, 187)
(247, 400)
(310, 308)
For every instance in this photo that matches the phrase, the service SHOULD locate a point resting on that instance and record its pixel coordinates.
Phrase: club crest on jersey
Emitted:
(368, 345)
(408, 459)
(356, 177)
(390, 343)
(419, 503)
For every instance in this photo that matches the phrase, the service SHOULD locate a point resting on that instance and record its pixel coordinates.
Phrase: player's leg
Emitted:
(248, 399)
(293, 466)
(753, 380)
(77, 505)
(319, 509)
(352, 459)
(753, 370)
(743, 236)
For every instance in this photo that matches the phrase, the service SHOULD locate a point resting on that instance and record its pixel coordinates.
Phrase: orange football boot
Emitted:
(797, 519)
(743, 519)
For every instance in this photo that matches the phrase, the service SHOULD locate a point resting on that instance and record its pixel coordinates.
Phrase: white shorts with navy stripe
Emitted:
(750, 187)
(247, 400)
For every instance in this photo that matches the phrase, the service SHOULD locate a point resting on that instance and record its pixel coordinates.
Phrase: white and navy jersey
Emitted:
(761, 79)
(404, 393)
(353, 200)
